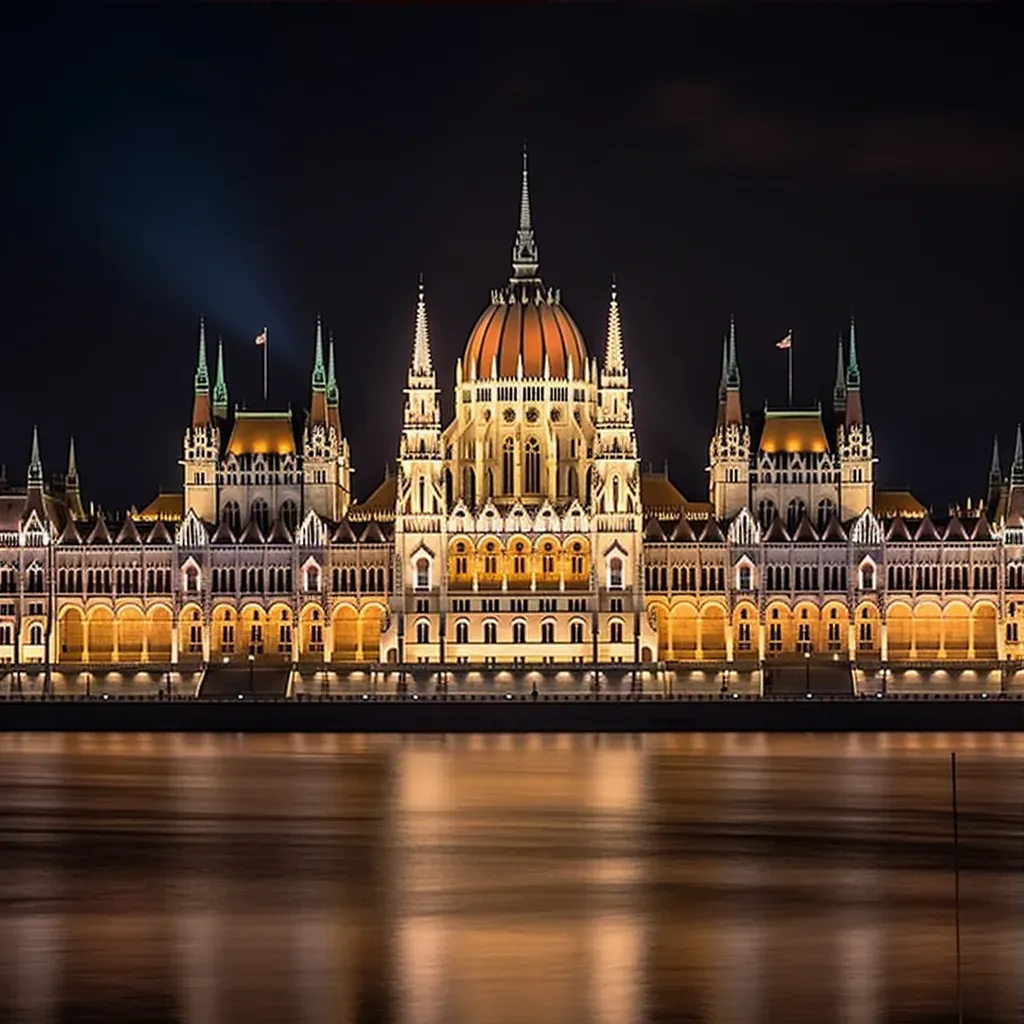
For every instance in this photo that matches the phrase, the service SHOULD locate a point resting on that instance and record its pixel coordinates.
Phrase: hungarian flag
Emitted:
(787, 341)
(261, 338)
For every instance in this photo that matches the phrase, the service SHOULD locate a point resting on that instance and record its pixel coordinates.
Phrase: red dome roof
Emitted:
(511, 328)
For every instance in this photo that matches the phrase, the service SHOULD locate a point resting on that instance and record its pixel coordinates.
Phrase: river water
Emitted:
(508, 879)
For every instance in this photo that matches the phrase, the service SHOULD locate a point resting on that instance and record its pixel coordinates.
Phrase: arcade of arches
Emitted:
(519, 563)
(132, 635)
(688, 632)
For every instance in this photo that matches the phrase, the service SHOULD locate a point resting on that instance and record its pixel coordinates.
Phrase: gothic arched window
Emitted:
(825, 508)
(259, 513)
(765, 513)
(532, 467)
(232, 515)
(794, 513)
(290, 515)
(508, 466)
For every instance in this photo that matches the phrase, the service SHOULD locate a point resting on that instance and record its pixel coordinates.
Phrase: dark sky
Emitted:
(788, 164)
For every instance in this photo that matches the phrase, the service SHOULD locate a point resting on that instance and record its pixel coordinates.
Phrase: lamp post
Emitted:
(807, 672)
(252, 660)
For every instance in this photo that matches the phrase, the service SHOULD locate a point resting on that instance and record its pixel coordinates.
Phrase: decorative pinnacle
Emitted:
(220, 387)
(839, 391)
(732, 377)
(332, 380)
(35, 463)
(853, 369)
(421, 364)
(72, 474)
(319, 375)
(525, 260)
(202, 378)
(1017, 466)
(613, 362)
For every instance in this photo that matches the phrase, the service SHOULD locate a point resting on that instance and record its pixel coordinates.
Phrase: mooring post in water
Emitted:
(956, 889)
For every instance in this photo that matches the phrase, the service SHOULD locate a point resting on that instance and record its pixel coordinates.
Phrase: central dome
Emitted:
(525, 325)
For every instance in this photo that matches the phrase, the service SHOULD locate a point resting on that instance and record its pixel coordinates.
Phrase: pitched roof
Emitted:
(128, 534)
(834, 531)
(955, 530)
(380, 504)
(805, 531)
(262, 433)
(793, 430)
(167, 505)
(712, 533)
(776, 533)
(683, 532)
(898, 530)
(658, 493)
(898, 503)
(982, 529)
(653, 530)
(223, 534)
(344, 534)
(251, 534)
(99, 533)
(926, 531)
(159, 534)
(279, 533)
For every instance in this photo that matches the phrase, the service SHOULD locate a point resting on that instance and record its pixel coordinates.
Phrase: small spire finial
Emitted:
(332, 380)
(732, 376)
(995, 470)
(220, 387)
(421, 361)
(319, 374)
(202, 378)
(1017, 466)
(525, 260)
(35, 463)
(613, 360)
(853, 367)
(72, 473)
(839, 389)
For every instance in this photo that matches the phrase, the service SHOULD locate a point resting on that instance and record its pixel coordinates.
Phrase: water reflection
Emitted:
(590, 880)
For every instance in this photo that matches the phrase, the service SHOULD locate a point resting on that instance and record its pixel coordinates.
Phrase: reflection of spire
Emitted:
(839, 391)
(732, 375)
(525, 260)
(220, 387)
(1017, 466)
(35, 463)
(613, 362)
(853, 370)
(421, 364)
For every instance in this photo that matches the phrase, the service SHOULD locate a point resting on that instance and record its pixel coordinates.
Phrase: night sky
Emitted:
(258, 165)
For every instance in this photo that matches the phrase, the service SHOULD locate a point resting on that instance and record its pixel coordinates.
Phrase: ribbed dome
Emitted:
(524, 320)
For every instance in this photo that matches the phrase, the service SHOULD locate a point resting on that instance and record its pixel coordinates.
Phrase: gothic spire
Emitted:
(853, 369)
(613, 361)
(421, 362)
(839, 391)
(525, 260)
(732, 376)
(220, 387)
(725, 367)
(1017, 466)
(995, 473)
(319, 374)
(202, 378)
(72, 473)
(332, 380)
(35, 463)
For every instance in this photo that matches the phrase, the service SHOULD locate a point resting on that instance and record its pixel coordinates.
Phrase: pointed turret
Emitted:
(35, 463)
(525, 259)
(72, 488)
(614, 364)
(995, 472)
(854, 409)
(201, 384)
(220, 387)
(725, 369)
(1017, 466)
(318, 404)
(332, 380)
(421, 361)
(733, 410)
(839, 390)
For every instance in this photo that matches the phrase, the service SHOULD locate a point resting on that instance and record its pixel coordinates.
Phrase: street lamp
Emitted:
(252, 659)
(807, 673)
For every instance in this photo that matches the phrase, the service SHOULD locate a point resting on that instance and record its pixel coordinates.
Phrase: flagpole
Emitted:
(789, 353)
(266, 345)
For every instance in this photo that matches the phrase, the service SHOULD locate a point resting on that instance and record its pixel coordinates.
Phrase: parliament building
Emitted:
(521, 533)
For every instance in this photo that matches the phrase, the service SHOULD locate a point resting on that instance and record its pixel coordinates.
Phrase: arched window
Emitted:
(532, 467)
(744, 578)
(35, 633)
(423, 632)
(490, 632)
(508, 466)
(576, 631)
(462, 632)
(616, 632)
(794, 513)
(422, 573)
(765, 513)
(259, 513)
(519, 632)
(232, 515)
(312, 578)
(867, 576)
(191, 579)
(615, 573)
(469, 486)
(290, 515)
(547, 632)
(572, 483)
(825, 508)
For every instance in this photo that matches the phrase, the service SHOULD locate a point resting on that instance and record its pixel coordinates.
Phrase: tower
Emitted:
(321, 443)
(729, 452)
(202, 443)
(220, 388)
(344, 462)
(854, 443)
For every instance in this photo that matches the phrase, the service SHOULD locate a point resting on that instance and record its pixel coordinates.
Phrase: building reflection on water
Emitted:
(592, 880)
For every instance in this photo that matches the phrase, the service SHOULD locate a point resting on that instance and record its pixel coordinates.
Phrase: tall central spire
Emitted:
(525, 261)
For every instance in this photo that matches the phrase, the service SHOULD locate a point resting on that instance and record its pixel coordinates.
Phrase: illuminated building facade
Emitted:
(522, 533)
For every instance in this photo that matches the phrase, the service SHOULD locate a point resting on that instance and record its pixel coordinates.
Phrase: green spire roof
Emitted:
(332, 380)
(220, 388)
(319, 374)
(732, 376)
(853, 370)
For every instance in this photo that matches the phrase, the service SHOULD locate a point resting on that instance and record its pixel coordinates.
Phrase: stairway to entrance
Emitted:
(822, 678)
(226, 681)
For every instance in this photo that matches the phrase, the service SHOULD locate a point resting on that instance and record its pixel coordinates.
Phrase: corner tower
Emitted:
(729, 452)
(202, 443)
